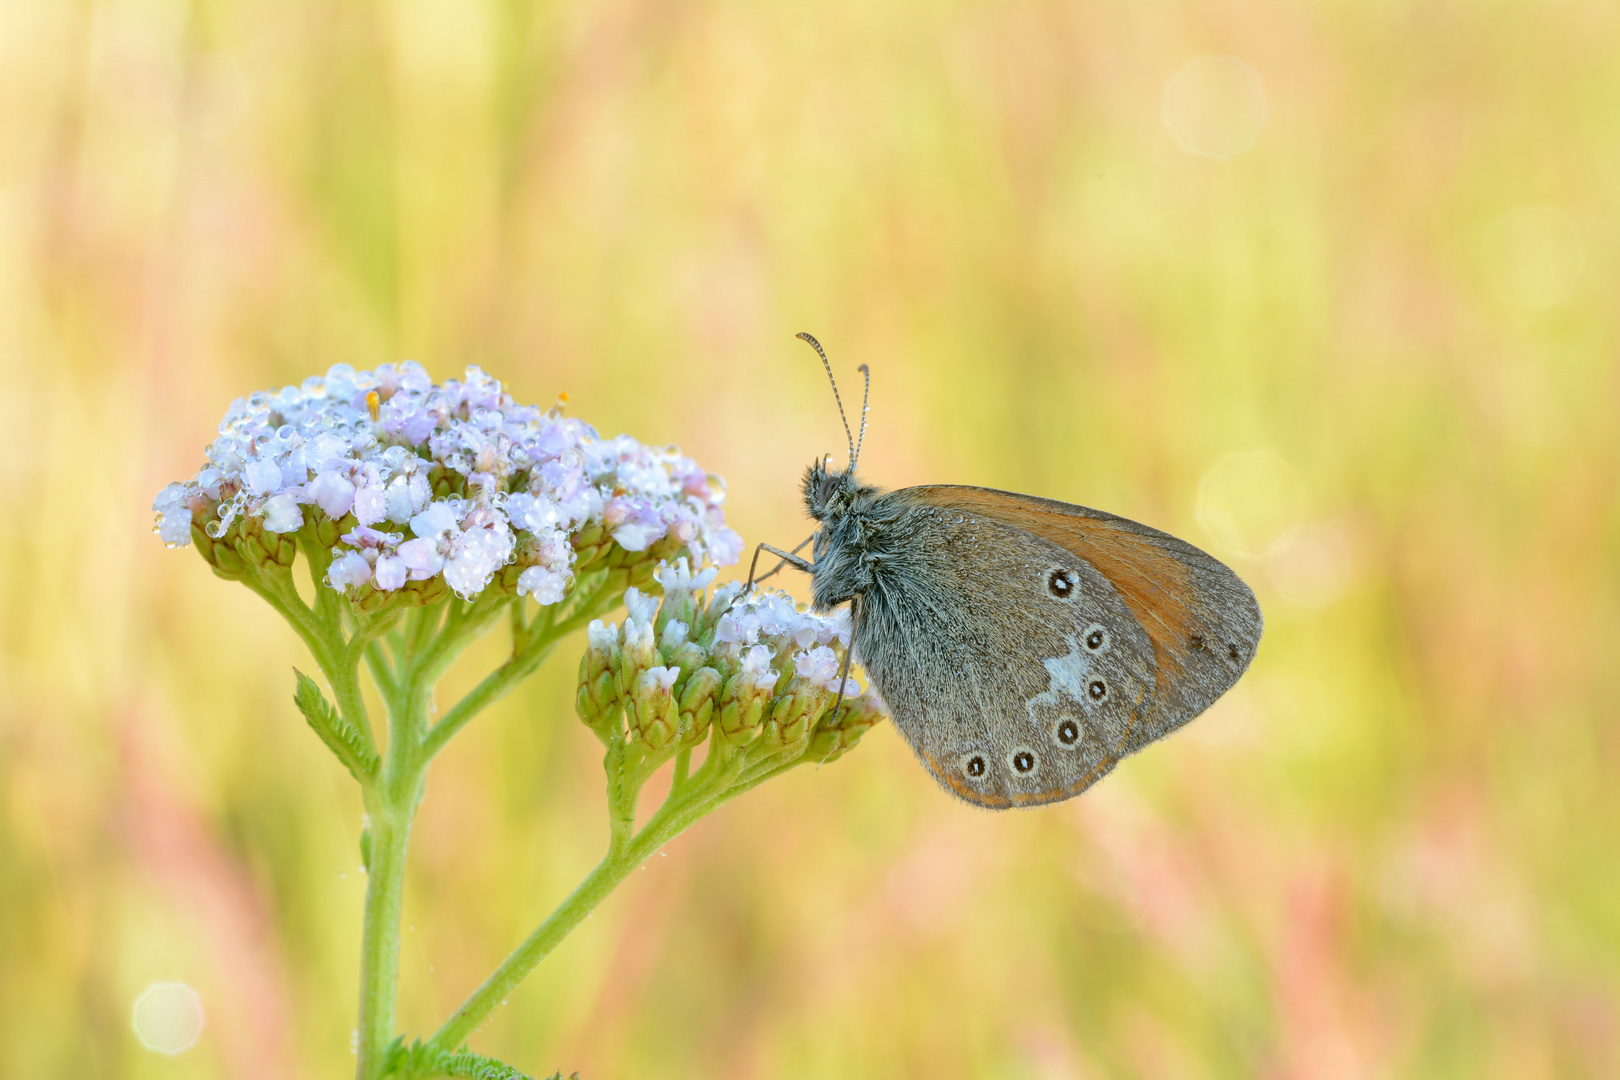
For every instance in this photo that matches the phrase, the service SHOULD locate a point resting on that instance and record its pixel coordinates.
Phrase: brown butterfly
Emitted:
(1023, 645)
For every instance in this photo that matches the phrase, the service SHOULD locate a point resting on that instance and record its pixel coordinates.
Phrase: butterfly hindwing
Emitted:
(1014, 669)
(1026, 645)
(1204, 622)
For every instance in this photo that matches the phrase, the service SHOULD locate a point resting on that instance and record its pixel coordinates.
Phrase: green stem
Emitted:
(425, 644)
(379, 949)
(494, 686)
(531, 645)
(625, 852)
(569, 914)
(395, 798)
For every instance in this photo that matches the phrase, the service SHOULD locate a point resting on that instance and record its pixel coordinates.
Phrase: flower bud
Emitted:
(637, 655)
(836, 734)
(698, 700)
(220, 552)
(743, 701)
(598, 699)
(587, 539)
(794, 712)
(642, 572)
(679, 652)
(680, 586)
(655, 716)
(327, 531)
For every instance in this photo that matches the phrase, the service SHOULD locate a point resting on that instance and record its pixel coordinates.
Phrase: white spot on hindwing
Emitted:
(1069, 675)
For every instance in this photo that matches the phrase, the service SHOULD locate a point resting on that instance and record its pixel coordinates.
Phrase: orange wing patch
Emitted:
(1155, 585)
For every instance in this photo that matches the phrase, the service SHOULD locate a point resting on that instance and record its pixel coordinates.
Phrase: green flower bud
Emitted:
(655, 714)
(681, 593)
(588, 537)
(598, 700)
(637, 655)
(794, 712)
(835, 734)
(746, 694)
(327, 531)
(698, 699)
(673, 647)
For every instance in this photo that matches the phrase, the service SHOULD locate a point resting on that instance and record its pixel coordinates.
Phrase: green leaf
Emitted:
(351, 746)
(422, 1060)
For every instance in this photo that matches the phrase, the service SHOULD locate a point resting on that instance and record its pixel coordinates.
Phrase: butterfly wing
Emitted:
(1025, 645)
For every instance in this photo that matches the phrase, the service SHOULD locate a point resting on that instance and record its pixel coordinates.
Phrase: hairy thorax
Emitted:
(849, 546)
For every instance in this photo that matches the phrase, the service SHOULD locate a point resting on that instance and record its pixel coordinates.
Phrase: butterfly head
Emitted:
(829, 493)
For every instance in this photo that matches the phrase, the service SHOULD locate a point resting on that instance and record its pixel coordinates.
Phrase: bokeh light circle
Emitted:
(168, 1017)
(1251, 503)
(1215, 107)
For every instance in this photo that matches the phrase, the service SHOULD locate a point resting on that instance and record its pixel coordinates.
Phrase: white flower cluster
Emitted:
(455, 480)
(765, 622)
(744, 633)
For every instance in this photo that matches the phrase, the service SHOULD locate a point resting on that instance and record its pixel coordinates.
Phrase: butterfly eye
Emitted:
(1097, 689)
(1022, 760)
(1059, 584)
(1096, 638)
(973, 765)
(1068, 731)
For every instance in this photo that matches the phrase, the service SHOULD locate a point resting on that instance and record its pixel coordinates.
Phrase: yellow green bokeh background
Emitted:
(1370, 359)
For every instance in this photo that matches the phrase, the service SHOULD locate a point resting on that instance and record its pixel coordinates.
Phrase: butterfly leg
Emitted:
(788, 558)
(843, 671)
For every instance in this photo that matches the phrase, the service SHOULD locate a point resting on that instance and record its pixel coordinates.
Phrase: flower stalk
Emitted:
(428, 514)
(739, 650)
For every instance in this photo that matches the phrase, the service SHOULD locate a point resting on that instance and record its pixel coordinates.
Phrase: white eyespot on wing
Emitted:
(1066, 731)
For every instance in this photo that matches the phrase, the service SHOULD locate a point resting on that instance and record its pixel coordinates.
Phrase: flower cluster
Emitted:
(414, 485)
(753, 668)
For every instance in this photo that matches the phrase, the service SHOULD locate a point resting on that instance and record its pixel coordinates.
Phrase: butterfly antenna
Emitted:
(816, 345)
(861, 438)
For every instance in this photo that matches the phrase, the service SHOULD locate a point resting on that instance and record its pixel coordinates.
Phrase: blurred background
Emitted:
(1327, 288)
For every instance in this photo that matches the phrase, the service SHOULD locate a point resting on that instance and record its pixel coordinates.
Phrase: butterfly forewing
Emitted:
(1026, 645)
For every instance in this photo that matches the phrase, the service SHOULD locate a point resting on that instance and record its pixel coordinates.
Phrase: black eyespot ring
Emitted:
(1060, 585)
(1022, 760)
(1097, 638)
(1067, 731)
(974, 765)
(1097, 689)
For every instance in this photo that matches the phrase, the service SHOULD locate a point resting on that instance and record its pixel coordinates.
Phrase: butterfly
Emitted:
(1023, 645)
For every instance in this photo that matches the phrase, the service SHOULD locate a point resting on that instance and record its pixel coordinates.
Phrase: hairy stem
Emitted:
(494, 686)
(379, 949)
(684, 806)
(601, 881)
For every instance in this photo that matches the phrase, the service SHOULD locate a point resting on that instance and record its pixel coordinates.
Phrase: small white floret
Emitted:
(282, 513)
